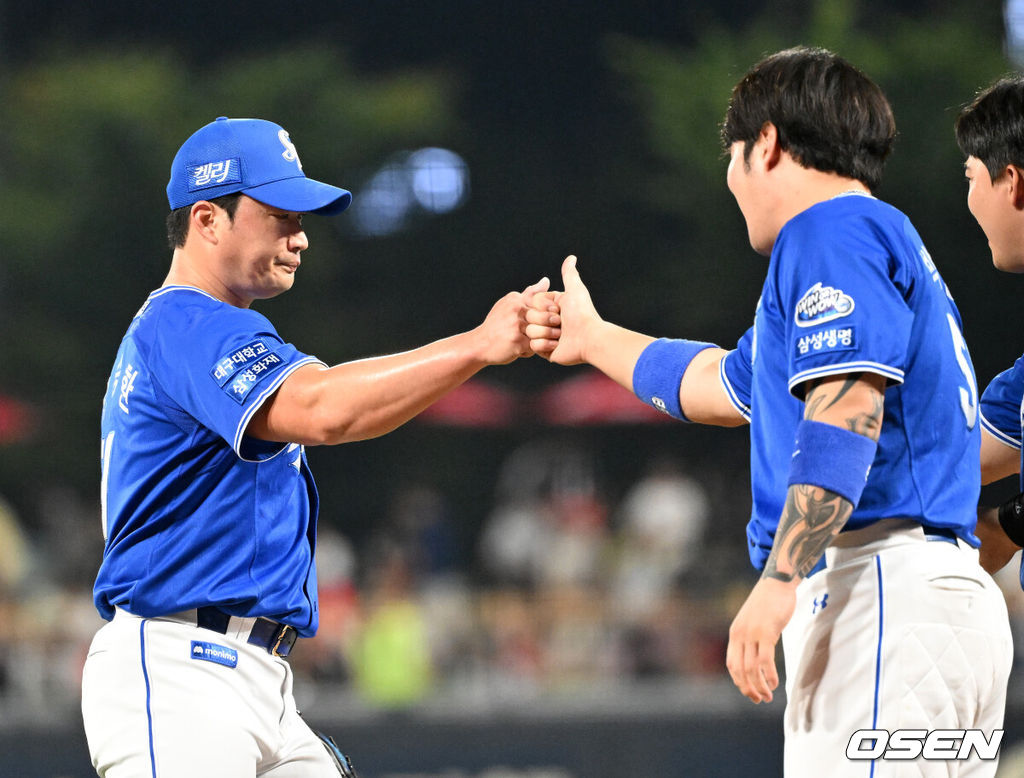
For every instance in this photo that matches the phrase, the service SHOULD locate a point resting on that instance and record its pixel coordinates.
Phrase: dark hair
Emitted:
(178, 219)
(991, 128)
(828, 114)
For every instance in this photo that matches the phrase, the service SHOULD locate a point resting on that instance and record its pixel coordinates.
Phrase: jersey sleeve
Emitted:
(1001, 405)
(219, 365)
(845, 311)
(736, 370)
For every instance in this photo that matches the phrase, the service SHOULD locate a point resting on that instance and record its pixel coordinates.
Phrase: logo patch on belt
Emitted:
(211, 652)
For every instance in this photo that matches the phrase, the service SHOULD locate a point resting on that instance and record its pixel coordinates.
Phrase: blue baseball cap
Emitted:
(251, 156)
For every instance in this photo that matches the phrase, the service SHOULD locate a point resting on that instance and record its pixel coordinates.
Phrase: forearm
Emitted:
(813, 516)
(996, 546)
(835, 446)
(366, 398)
(614, 350)
(998, 460)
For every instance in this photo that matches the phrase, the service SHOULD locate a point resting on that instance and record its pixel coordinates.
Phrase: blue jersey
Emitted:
(851, 288)
(1002, 413)
(195, 513)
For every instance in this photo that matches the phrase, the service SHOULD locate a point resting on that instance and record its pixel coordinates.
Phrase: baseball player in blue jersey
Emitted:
(209, 507)
(990, 135)
(863, 412)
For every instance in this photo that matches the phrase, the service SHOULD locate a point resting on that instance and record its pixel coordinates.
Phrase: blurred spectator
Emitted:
(15, 564)
(514, 653)
(661, 523)
(549, 524)
(514, 541)
(391, 655)
(324, 658)
(15, 553)
(421, 523)
(71, 533)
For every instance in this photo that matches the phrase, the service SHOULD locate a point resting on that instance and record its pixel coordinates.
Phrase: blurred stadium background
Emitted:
(536, 578)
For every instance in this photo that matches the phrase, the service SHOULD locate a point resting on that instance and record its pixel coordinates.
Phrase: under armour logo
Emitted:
(289, 152)
(822, 604)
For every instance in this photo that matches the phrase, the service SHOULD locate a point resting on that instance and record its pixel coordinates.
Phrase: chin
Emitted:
(1013, 263)
(268, 292)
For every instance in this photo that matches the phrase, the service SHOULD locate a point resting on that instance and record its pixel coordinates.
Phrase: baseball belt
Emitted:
(273, 637)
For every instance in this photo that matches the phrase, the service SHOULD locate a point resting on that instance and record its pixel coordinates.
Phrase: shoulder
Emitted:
(183, 325)
(875, 232)
(846, 214)
(186, 312)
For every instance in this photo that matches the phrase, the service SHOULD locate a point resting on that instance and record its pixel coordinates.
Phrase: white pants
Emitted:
(155, 706)
(899, 632)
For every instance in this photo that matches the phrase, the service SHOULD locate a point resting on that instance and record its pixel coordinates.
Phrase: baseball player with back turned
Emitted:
(990, 135)
(862, 404)
(209, 507)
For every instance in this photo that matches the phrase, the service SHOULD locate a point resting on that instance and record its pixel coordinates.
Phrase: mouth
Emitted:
(289, 266)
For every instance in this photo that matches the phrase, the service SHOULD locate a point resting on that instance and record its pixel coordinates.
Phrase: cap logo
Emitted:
(289, 152)
(226, 171)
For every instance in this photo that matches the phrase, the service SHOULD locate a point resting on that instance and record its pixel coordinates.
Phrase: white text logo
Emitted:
(939, 744)
(821, 304)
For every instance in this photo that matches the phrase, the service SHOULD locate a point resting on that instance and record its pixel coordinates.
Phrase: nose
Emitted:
(298, 241)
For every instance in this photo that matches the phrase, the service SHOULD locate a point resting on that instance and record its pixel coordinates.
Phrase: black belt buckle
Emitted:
(274, 638)
(286, 637)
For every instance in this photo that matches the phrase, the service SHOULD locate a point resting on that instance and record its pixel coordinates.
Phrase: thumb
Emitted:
(532, 289)
(569, 271)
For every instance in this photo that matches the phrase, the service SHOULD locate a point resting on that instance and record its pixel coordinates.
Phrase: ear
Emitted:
(768, 145)
(1015, 182)
(203, 219)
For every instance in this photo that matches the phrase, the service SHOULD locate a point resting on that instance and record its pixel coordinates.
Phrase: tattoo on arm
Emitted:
(821, 396)
(812, 517)
(869, 423)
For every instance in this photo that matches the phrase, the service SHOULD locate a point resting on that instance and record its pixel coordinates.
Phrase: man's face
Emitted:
(743, 180)
(260, 249)
(992, 205)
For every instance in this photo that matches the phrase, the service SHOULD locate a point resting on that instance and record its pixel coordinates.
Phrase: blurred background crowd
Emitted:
(538, 533)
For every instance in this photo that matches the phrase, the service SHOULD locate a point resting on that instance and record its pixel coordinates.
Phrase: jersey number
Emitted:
(105, 449)
(968, 396)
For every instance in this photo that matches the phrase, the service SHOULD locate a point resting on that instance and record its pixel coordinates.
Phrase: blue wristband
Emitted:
(659, 371)
(832, 458)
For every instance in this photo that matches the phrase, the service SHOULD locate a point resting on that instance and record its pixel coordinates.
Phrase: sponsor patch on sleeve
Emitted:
(238, 372)
(826, 339)
(211, 652)
(821, 304)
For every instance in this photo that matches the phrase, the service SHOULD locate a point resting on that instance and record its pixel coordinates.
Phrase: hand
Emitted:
(503, 333)
(559, 324)
(542, 323)
(996, 548)
(753, 635)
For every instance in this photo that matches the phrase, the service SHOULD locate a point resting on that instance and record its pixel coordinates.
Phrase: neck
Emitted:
(805, 187)
(186, 271)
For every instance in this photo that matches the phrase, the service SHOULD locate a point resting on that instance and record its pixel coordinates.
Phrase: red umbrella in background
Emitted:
(592, 398)
(474, 404)
(17, 420)
(588, 398)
